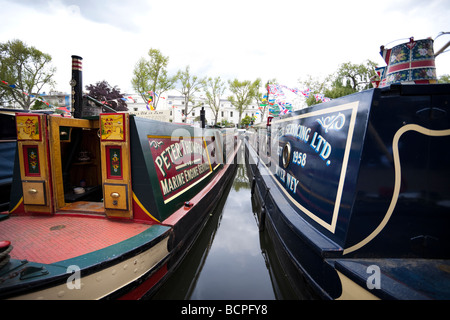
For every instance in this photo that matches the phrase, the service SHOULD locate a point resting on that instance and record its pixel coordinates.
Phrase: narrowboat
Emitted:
(355, 192)
(7, 153)
(105, 205)
(8, 141)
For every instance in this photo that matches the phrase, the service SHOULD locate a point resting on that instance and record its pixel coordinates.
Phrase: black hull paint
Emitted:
(186, 232)
(294, 251)
(371, 192)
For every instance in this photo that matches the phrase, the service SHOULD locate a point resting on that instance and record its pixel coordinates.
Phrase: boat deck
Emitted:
(49, 239)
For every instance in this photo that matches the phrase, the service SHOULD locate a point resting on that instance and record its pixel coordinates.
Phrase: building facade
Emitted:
(227, 114)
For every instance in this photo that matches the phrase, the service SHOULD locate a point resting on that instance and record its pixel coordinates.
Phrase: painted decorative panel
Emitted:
(112, 127)
(31, 161)
(114, 160)
(28, 127)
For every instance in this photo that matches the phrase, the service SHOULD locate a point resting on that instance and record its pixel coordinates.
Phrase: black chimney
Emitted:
(77, 86)
(202, 117)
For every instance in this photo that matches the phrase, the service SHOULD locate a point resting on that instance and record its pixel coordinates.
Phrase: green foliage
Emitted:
(356, 76)
(246, 121)
(243, 94)
(226, 124)
(27, 68)
(38, 105)
(214, 90)
(348, 79)
(190, 84)
(151, 75)
(445, 78)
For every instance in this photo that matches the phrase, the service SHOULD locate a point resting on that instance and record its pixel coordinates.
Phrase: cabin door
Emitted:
(116, 171)
(75, 164)
(32, 141)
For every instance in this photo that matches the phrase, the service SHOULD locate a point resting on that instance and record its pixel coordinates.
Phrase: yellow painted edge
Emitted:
(353, 106)
(191, 186)
(397, 179)
(211, 170)
(143, 208)
(207, 154)
(17, 205)
(353, 291)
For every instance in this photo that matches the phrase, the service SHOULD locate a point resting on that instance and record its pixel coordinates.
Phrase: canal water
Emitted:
(231, 259)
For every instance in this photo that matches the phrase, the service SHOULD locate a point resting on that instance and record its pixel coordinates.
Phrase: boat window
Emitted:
(286, 155)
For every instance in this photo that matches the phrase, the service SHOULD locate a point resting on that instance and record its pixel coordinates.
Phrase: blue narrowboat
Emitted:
(355, 192)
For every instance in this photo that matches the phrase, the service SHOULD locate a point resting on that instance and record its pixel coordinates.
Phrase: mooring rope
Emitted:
(4, 256)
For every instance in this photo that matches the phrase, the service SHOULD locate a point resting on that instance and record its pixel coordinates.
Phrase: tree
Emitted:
(339, 89)
(39, 105)
(25, 70)
(357, 76)
(214, 89)
(262, 98)
(246, 121)
(103, 92)
(190, 84)
(445, 78)
(316, 86)
(243, 94)
(348, 79)
(151, 76)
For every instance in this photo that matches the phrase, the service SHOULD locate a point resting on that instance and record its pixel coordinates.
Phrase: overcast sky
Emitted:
(244, 39)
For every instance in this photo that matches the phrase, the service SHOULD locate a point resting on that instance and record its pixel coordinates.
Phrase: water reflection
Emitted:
(231, 259)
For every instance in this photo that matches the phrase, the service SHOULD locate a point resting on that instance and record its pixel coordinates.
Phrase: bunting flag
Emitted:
(41, 99)
(306, 92)
(64, 109)
(37, 96)
(264, 102)
(128, 99)
(150, 101)
(276, 91)
(319, 97)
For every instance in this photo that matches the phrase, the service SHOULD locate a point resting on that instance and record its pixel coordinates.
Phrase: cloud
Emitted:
(117, 13)
(285, 39)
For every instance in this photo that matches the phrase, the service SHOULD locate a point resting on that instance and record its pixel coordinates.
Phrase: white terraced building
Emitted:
(175, 105)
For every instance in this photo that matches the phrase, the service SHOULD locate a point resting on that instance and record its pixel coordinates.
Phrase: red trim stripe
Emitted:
(77, 64)
(180, 213)
(411, 65)
(143, 288)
